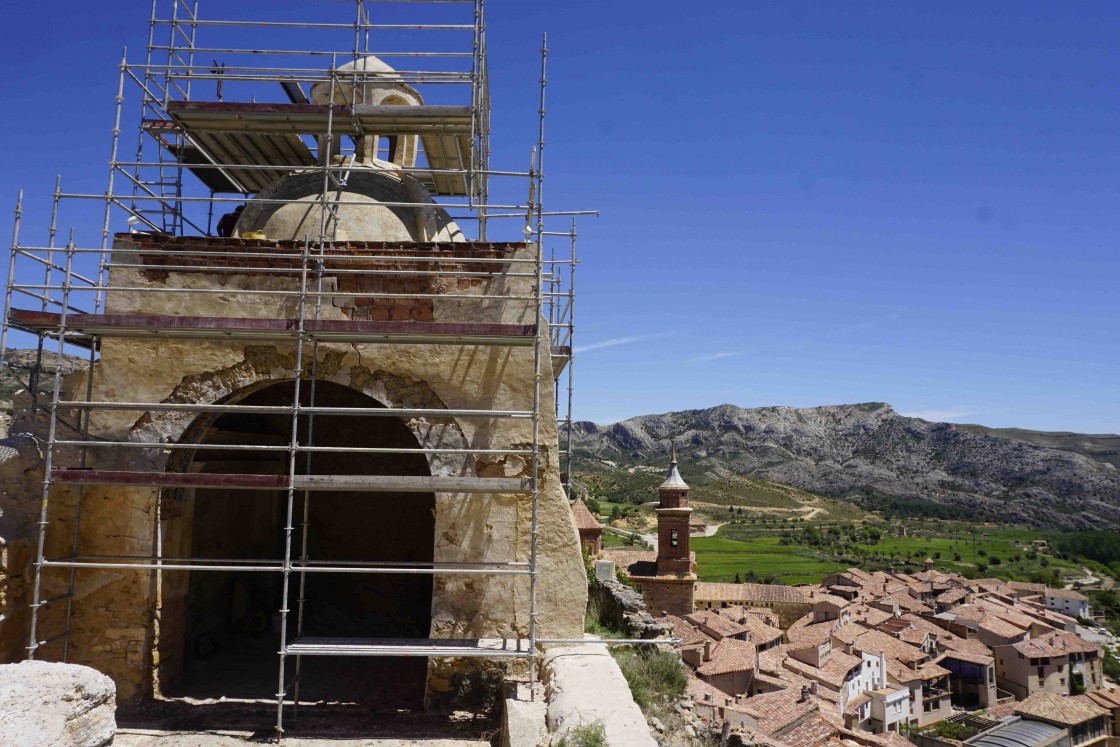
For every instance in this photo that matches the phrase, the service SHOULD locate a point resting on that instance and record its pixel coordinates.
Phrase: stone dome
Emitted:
(300, 213)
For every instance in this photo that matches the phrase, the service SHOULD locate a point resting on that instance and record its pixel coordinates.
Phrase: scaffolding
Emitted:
(209, 138)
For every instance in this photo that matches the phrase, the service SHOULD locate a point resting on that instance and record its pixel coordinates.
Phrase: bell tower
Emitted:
(674, 556)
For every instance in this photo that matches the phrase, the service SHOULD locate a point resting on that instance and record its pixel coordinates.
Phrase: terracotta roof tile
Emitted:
(688, 633)
(776, 710)
(1059, 709)
(813, 732)
(584, 518)
(1055, 644)
(876, 641)
(982, 659)
(834, 672)
(1066, 594)
(729, 655)
(746, 593)
(634, 562)
(716, 624)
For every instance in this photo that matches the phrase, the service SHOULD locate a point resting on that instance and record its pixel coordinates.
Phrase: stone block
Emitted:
(43, 704)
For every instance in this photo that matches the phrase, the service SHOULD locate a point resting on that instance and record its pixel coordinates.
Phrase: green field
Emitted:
(719, 559)
(748, 545)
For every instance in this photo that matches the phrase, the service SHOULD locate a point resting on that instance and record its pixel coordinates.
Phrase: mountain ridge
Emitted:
(867, 450)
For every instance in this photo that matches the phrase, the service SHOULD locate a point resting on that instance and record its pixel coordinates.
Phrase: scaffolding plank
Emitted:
(447, 153)
(342, 330)
(365, 483)
(414, 484)
(490, 648)
(169, 479)
(314, 119)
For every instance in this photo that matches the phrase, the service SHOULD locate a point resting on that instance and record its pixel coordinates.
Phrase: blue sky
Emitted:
(802, 203)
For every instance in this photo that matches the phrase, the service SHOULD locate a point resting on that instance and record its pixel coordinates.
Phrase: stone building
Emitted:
(590, 530)
(666, 577)
(331, 434)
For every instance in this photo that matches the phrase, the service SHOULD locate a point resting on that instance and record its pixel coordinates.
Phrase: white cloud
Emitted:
(614, 342)
(711, 357)
(938, 416)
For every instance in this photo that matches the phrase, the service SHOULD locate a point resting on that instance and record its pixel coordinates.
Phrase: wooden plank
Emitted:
(414, 484)
(312, 119)
(208, 326)
(169, 479)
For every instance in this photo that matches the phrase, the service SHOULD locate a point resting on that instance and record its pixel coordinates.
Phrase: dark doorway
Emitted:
(230, 620)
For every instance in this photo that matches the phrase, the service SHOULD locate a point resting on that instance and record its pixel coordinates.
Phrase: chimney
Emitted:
(813, 687)
(882, 670)
(804, 694)
(707, 650)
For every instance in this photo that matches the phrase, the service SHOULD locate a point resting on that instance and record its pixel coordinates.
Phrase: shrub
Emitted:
(585, 735)
(654, 677)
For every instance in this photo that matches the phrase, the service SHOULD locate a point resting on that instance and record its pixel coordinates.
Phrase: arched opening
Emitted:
(219, 630)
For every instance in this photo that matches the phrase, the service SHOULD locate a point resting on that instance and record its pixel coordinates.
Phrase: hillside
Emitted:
(869, 454)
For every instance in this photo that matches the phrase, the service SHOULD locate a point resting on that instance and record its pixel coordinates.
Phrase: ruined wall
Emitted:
(119, 618)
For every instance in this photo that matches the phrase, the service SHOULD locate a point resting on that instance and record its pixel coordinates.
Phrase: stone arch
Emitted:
(180, 510)
(264, 366)
(402, 148)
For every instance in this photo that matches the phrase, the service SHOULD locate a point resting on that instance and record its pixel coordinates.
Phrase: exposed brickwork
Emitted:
(667, 596)
(349, 268)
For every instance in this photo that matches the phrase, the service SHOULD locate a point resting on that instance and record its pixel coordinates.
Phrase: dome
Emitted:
(299, 214)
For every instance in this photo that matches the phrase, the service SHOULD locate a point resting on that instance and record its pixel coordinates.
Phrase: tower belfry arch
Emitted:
(328, 384)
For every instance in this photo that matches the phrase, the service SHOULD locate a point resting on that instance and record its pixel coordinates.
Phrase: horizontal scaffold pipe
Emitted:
(401, 412)
(149, 565)
(311, 483)
(346, 26)
(266, 201)
(264, 447)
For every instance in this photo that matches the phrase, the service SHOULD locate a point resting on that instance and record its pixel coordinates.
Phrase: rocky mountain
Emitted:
(870, 454)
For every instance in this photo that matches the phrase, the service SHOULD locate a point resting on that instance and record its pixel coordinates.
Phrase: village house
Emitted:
(589, 528)
(866, 656)
(1067, 601)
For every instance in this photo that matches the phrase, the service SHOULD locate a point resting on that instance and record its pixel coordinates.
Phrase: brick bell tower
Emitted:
(674, 557)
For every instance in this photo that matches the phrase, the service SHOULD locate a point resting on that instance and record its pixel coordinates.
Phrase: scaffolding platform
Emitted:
(82, 329)
(490, 648)
(196, 159)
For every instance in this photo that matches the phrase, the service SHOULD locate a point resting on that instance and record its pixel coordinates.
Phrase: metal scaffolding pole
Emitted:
(204, 164)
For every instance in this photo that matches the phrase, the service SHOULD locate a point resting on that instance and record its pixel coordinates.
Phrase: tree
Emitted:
(956, 556)
(737, 579)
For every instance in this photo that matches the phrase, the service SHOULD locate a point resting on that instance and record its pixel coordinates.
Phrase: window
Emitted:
(1042, 673)
(673, 538)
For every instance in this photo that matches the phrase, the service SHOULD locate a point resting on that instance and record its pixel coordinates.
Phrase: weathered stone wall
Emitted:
(21, 470)
(626, 609)
(119, 616)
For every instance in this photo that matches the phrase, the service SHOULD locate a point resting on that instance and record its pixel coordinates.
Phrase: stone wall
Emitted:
(668, 595)
(119, 623)
(626, 609)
